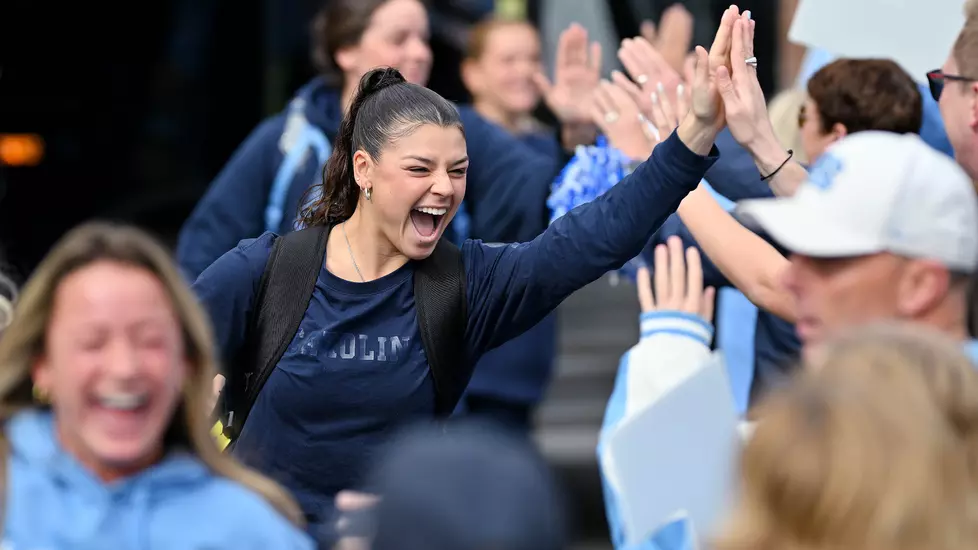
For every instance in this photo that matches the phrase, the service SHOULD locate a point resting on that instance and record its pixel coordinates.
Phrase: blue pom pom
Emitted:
(590, 173)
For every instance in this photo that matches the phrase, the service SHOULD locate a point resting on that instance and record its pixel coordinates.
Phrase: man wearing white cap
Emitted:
(885, 228)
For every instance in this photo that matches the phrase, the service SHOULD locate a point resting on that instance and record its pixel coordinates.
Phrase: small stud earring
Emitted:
(367, 193)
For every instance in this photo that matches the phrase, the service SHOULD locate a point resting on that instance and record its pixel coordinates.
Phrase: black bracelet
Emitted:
(778, 169)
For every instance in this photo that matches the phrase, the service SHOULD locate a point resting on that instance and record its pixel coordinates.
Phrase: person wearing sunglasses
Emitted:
(955, 87)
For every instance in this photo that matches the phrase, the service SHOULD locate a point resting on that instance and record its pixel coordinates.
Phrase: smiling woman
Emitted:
(371, 268)
(120, 357)
(395, 179)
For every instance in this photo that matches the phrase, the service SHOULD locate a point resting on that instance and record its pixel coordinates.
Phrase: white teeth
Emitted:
(433, 211)
(123, 401)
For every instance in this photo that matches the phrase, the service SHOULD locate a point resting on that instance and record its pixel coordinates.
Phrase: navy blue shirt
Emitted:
(356, 369)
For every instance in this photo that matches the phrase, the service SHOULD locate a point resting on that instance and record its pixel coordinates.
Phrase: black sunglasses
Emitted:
(937, 78)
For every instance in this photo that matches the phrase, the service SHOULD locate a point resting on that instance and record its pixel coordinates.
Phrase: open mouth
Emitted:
(122, 409)
(427, 220)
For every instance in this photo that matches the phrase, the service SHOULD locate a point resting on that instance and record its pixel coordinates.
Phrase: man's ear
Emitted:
(839, 131)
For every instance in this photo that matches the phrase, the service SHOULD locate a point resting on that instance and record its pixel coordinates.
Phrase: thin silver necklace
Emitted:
(350, 248)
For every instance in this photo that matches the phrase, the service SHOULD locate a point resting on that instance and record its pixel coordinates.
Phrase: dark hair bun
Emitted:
(378, 79)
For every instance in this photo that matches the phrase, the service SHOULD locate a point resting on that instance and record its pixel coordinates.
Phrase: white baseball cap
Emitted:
(877, 192)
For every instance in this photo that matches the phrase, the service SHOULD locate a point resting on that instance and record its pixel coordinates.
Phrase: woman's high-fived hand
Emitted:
(577, 71)
(678, 282)
(620, 120)
(743, 99)
(705, 103)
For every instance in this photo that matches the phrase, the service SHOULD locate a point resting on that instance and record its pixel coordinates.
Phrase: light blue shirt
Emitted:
(675, 535)
(54, 503)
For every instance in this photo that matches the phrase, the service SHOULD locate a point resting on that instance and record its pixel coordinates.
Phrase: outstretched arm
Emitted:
(748, 261)
(512, 287)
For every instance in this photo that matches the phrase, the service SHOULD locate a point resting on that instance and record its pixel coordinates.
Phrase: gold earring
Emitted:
(41, 395)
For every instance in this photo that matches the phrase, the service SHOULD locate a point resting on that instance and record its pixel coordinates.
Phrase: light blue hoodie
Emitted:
(53, 503)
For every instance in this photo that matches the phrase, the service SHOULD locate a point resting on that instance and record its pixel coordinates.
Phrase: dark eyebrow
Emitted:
(424, 160)
(419, 159)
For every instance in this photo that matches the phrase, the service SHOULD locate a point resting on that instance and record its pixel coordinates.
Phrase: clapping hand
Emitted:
(621, 122)
(577, 71)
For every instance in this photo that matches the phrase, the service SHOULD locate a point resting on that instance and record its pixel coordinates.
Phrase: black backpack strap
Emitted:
(283, 296)
(440, 299)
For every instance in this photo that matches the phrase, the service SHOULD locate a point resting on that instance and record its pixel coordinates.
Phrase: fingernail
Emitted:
(661, 88)
(655, 98)
(747, 14)
(679, 90)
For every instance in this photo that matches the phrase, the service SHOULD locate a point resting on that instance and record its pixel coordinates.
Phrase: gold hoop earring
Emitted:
(367, 193)
(41, 396)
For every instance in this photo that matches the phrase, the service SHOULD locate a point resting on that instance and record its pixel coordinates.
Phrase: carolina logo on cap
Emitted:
(824, 171)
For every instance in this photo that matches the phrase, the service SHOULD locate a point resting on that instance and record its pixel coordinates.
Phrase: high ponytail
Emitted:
(384, 108)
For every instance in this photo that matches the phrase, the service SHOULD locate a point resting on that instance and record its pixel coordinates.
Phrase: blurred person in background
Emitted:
(955, 87)
(885, 228)
(261, 187)
(850, 463)
(881, 351)
(106, 384)
(501, 61)
(472, 488)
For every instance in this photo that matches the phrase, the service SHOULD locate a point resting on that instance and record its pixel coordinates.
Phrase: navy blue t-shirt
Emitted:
(356, 369)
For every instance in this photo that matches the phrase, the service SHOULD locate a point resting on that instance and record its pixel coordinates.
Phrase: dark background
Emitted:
(141, 105)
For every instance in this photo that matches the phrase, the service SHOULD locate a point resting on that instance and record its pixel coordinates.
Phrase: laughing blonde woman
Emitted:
(111, 449)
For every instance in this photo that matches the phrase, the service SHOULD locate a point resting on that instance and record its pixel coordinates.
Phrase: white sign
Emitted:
(917, 35)
(677, 457)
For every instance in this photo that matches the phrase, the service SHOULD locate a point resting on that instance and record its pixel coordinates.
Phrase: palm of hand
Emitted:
(705, 100)
(572, 89)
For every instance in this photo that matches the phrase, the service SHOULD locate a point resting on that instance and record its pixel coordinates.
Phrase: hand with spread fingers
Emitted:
(618, 117)
(577, 71)
(676, 283)
(743, 99)
(648, 70)
(673, 37)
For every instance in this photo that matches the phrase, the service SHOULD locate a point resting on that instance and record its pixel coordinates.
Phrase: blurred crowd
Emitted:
(348, 345)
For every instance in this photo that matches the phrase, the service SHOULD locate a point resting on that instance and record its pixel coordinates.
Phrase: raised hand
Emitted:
(619, 118)
(678, 282)
(705, 103)
(647, 69)
(673, 37)
(743, 99)
(576, 74)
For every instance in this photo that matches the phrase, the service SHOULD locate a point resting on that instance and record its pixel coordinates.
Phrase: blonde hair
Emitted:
(24, 340)
(844, 462)
(926, 357)
(479, 34)
(783, 111)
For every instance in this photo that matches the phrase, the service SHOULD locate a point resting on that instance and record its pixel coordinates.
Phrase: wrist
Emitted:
(768, 154)
(698, 135)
